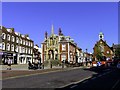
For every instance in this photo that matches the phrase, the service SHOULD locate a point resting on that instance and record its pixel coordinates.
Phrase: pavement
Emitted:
(22, 67)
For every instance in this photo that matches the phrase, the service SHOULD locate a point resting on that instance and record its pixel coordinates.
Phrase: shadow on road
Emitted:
(98, 72)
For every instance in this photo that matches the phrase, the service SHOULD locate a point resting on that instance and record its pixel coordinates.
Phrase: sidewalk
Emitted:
(23, 67)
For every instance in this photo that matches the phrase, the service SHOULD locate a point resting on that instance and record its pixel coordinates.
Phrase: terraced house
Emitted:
(16, 46)
(60, 47)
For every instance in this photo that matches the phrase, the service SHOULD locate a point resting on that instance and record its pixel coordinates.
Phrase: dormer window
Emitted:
(8, 37)
(3, 35)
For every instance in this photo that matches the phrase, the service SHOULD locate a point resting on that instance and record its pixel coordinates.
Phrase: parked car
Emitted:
(94, 64)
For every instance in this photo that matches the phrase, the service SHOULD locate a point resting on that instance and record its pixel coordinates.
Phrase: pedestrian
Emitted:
(9, 62)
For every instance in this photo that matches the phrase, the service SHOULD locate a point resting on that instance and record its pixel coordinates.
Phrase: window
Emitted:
(63, 47)
(20, 49)
(16, 49)
(23, 50)
(8, 37)
(26, 50)
(17, 40)
(31, 44)
(13, 39)
(3, 46)
(20, 41)
(23, 42)
(26, 42)
(8, 46)
(0, 46)
(101, 48)
(3, 35)
(31, 51)
(108, 52)
(12, 47)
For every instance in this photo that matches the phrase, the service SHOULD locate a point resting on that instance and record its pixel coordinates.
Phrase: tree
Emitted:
(98, 54)
(117, 52)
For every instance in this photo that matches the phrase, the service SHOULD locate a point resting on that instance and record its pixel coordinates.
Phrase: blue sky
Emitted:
(81, 21)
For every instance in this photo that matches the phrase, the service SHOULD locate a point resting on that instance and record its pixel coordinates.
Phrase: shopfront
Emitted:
(12, 56)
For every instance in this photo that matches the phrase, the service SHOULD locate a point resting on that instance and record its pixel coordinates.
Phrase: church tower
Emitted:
(101, 36)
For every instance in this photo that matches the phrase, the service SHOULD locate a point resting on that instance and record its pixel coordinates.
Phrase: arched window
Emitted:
(3, 46)
(8, 37)
(3, 35)
(17, 40)
(20, 41)
(13, 39)
(31, 51)
(23, 50)
(16, 49)
(26, 42)
(26, 50)
(12, 47)
(8, 47)
(101, 48)
(23, 42)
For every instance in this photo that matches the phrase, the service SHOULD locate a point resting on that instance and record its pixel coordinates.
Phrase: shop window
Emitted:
(63, 57)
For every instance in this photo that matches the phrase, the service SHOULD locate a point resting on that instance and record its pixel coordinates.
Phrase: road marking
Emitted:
(115, 84)
(73, 86)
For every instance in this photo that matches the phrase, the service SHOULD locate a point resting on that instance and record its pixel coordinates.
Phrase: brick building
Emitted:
(103, 47)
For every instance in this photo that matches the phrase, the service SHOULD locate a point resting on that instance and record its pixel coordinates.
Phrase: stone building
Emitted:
(59, 47)
(16, 46)
(102, 47)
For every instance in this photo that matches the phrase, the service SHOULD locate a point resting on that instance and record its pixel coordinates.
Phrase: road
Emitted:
(66, 79)
(108, 80)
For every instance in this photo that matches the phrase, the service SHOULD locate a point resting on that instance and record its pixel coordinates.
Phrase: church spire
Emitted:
(52, 30)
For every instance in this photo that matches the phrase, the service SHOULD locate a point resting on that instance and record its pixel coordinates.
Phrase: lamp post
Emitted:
(86, 57)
